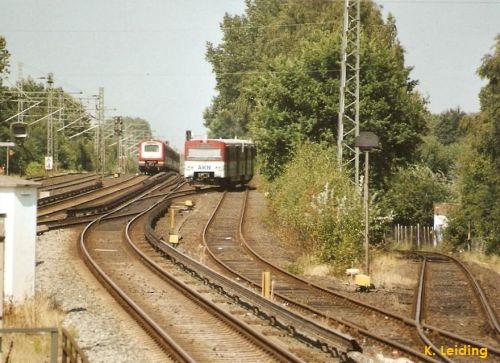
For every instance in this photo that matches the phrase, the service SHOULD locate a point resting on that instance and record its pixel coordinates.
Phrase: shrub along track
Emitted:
(189, 327)
(450, 297)
(229, 250)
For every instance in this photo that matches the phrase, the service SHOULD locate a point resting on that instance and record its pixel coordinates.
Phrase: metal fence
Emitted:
(417, 236)
(70, 352)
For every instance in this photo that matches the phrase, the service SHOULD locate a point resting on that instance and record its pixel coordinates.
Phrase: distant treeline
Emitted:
(78, 153)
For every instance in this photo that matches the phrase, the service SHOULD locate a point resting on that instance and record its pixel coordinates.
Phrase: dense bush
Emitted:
(412, 192)
(34, 169)
(320, 205)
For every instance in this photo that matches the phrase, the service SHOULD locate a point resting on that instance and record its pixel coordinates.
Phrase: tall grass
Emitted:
(39, 311)
(390, 271)
(491, 262)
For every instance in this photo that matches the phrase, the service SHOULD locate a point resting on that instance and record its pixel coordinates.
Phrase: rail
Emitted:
(163, 339)
(297, 326)
(481, 296)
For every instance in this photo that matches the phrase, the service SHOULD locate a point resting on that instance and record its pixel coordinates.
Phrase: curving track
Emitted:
(58, 211)
(230, 251)
(186, 325)
(449, 295)
(77, 180)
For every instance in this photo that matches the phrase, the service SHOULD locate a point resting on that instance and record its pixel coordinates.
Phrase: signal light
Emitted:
(19, 130)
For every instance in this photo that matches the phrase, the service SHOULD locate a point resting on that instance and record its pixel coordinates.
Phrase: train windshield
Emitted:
(151, 148)
(204, 154)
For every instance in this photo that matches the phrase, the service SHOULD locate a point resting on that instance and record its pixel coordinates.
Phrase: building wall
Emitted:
(440, 224)
(19, 204)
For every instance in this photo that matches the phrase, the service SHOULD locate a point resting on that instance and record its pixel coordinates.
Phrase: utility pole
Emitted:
(118, 134)
(59, 124)
(366, 141)
(348, 118)
(20, 101)
(101, 146)
(50, 126)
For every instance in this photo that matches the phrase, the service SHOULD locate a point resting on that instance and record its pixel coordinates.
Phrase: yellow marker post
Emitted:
(188, 203)
(172, 219)
(362, 280)
(173, 238)
(266, 284)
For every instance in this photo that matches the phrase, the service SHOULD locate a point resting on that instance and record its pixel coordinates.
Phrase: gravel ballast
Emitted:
(102, 328)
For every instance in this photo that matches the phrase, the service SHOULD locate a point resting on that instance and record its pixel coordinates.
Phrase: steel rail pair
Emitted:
(478, 291)
(162, 337)
(360, 305)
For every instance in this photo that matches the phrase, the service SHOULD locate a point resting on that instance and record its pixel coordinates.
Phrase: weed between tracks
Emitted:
(39, 311)
(390, 271)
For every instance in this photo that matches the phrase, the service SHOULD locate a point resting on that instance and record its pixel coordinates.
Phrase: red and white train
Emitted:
(157, 156)
(219, 161)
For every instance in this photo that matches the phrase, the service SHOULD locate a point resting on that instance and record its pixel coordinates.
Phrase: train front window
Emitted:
(151, 148)
(204, 154)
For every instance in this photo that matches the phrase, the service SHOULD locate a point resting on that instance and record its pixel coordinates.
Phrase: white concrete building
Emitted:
(441, 212)
(18, 205)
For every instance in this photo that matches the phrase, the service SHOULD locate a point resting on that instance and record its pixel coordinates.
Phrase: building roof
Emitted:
(10, 181)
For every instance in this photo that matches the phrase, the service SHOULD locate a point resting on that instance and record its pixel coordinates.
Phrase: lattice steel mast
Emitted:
(101, 137)
(348, 120)
(50, 125)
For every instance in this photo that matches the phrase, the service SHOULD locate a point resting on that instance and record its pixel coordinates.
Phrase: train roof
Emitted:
(166, 143)
(227, 141)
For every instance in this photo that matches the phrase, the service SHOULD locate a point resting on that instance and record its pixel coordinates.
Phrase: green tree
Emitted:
(277, 72)
(479, 165)
(411, 194)
(447, 128)
(4, 56)
(437, 151)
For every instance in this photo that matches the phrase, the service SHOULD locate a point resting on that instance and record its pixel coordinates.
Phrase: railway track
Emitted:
(333, 343)
(446, 293)
(85, 219)
(231, 253)
(77, 180)
(189, 327)
(58, 211)
(56, 178)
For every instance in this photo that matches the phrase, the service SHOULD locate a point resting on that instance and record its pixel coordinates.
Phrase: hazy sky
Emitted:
(150, 55)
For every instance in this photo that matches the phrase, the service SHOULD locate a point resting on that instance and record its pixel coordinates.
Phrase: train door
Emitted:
(238, 163)
(231, 162)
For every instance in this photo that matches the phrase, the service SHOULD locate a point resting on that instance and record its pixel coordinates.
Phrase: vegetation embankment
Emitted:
(36, 312)
(318, 207)
(277, 72)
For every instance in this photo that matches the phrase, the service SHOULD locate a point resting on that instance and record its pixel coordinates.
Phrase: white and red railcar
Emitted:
(219, 161)
(157, 156)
